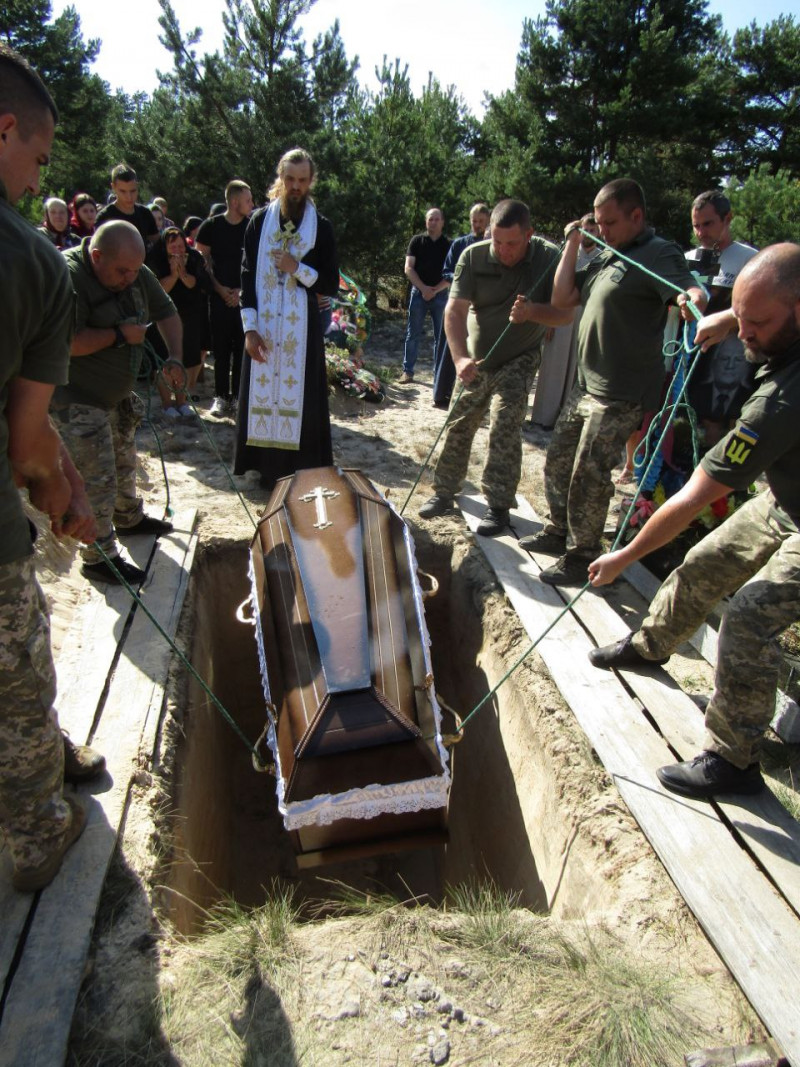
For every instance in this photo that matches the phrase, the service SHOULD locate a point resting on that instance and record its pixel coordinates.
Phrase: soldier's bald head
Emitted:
(117, 254)
(117, 237)
(776, 267)
(766, 302)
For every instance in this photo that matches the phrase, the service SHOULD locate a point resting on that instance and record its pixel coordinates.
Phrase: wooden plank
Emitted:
(36, 1020)
(751, 926)
(764, 826)
(99, 625)
(82, 669)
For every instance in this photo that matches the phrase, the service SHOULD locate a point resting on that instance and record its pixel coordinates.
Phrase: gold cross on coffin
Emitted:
(319, 496)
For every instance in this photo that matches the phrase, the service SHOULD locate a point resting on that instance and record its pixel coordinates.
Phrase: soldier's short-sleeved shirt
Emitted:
(36, 317)
(492, 288)
(766, 438)
(621, 332)
(105, 377)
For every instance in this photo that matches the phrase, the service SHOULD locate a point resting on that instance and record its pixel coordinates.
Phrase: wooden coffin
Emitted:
(345, 663)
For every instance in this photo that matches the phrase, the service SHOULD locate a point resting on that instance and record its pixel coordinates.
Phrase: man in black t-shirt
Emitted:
(753, 557)
(424, 265)
(221, 241)
(125, 187)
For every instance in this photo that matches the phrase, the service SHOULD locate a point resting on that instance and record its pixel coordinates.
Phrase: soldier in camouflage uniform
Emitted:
(116, 296)
(487, 293)
(753, 557)
(620, 371)
(103, 446)
(39, 823)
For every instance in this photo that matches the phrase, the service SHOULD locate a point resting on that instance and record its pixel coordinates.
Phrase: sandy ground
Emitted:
(388, 442)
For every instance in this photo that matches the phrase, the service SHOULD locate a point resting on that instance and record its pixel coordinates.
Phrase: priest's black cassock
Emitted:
(315, 448)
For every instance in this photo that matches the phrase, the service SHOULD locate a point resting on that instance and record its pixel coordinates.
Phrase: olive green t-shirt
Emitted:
(766, 438)
(105, 377)
(492, 288)
(621, 332)
(36, 316)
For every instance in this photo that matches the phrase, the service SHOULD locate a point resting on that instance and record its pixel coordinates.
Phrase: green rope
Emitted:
(148, 402)
(673, 410)
(161, 363)
(460, 392)
(698, 314)
(257, 760)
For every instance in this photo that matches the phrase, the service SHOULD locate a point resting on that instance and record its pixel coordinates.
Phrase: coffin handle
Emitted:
(448, 740)
(244, 613)
(434, 589)
(263, 764)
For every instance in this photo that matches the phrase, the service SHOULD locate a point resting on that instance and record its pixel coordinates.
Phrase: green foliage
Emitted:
(767, 70)
(766, 207)
(606, 89)
(603, 88)
(58, 52)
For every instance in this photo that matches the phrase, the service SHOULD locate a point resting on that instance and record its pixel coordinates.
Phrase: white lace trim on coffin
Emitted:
(366, 803)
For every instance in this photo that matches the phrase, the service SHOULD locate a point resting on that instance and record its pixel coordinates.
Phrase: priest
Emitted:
(283, 423)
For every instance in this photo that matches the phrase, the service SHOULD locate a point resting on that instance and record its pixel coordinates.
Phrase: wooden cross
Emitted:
(319, 496)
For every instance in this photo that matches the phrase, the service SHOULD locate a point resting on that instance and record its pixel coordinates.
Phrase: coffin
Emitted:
(354, 726)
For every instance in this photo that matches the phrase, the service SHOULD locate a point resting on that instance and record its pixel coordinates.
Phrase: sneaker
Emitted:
(549, 544)
(81, 763)
(709, 774)
(29, 879)
(405, 378)
(622, 654)
(435, 506)
(494, 521)
(185, 410)
(568, 570)
(219, 409)
(102, 572)
(148, 525)
(171, 413)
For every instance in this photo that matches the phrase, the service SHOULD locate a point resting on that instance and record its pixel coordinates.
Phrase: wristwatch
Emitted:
(119, 338)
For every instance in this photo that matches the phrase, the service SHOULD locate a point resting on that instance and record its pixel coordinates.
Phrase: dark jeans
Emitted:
(227, 340)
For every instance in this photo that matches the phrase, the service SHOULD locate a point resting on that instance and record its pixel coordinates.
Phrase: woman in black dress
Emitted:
(182, 273)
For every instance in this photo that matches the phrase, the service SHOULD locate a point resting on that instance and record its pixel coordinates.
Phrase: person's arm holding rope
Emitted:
(171, 329)
(525, 310)
(455, 328)
(697, 296)
(93, 339)
(40, 462)
(672, 518)
(565, 292)
(712, 329)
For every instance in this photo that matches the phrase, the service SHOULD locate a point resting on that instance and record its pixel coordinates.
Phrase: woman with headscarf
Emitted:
(182, 273)
(158, 215)
(56, 224)
(83, 215)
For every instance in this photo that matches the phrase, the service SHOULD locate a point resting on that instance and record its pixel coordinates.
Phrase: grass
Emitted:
(585, 999)
(787, 795)
(248, 989)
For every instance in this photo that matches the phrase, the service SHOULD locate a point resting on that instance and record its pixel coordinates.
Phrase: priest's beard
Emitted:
(293, 207)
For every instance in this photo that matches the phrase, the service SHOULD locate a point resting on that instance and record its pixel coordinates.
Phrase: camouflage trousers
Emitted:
(755, 558)
(586, 446)
(103, 448)
(504, 394)
(32, 810)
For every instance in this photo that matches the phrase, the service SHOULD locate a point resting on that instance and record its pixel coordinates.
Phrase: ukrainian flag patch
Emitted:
(742, 442)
